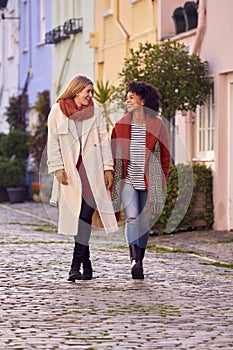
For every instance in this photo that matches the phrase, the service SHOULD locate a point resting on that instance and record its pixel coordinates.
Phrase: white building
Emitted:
(9, 57)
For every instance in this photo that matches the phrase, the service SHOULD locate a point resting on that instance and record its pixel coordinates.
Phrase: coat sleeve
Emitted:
(54, 156)
(104, 142)
(165, 153)
(113, 145)
(116, 187)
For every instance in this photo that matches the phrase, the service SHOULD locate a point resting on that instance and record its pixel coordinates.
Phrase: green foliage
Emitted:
(181, 200)
(181, 79)
(15, 145)
(1, 137)
(14, 148)
(102, 94)
(12, 173)
(16, 112)
(38, 138)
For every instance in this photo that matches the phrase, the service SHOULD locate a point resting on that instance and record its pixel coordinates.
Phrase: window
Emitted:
(25, 27)
(42, 21)
(12, 33)
(108, 8)
(205, 129)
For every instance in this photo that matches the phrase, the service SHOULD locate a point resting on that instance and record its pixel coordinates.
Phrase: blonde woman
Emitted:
(79, 155)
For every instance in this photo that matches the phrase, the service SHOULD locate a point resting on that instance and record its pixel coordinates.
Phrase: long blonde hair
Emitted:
(76, 85)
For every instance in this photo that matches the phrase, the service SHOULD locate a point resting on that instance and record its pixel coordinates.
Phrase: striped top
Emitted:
(136, 164)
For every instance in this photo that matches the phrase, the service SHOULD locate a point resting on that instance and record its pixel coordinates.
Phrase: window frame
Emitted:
(42, 24)
(205, 129)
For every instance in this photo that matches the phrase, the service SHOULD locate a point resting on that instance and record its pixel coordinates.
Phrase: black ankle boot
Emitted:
(141, 254)
(87, 266)
(136, 264)
(78, 255)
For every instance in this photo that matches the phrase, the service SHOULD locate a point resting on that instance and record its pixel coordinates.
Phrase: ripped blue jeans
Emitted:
(137, 218)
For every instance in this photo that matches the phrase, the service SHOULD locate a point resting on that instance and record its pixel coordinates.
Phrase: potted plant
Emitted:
(14, 147)
(12, 178)
(3, 192)
(37, 143)
(36, 187)
(38, 137)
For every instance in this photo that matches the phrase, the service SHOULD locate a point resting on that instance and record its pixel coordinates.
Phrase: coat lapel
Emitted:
(73, 129)
(86, 128)
(65, 125)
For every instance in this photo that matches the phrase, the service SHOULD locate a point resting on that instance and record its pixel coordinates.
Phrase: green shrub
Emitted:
(38, 137)
(16, 112)
(14, 149)
(2, 135)
(184, 182)
(15, 144)
(12, 173)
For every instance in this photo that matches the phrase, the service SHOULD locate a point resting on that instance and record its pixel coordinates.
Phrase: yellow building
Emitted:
(119, 26)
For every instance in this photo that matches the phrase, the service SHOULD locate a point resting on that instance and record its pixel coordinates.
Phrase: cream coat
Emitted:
(63, 153)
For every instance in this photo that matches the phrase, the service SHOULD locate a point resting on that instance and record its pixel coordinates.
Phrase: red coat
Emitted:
(155, 131)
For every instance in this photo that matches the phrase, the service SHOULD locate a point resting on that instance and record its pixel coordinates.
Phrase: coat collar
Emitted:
(66, 125)
(153, 129)
(86, 128)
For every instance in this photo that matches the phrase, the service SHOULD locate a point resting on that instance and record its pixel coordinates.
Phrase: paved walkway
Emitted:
(185, 301)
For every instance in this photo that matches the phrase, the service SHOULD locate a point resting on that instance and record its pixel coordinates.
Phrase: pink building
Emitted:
(208, 134)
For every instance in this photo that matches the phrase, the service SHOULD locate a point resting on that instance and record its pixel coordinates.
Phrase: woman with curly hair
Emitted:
(141, 162)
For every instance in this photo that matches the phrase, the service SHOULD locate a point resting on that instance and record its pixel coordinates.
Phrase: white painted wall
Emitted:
(230, 154)
(217, 49)
(72, 56)
(9, 59)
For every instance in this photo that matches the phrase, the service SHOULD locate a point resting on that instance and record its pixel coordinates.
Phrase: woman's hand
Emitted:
(61, 177)
(108, 177)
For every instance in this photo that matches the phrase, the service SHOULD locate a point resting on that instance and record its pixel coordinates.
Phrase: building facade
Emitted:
(35, 55)
(44, 43)
(35, 71)
(9, 57)
(204, 133)
(72, 22)
(207, 133)
(119, 26)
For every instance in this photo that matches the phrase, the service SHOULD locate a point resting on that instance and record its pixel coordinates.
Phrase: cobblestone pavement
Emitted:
(185, 301)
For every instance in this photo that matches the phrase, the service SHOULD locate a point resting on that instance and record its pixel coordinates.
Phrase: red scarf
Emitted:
(71, 110)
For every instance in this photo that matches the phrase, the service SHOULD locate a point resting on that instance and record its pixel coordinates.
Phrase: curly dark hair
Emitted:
(148, 93)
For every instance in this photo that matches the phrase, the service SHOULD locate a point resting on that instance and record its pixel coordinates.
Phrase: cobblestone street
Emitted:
(185, 301)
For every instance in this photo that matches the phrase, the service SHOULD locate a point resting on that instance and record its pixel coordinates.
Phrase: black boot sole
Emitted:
(137, 272)
(86, 277)
(87, 270)
(75, 276)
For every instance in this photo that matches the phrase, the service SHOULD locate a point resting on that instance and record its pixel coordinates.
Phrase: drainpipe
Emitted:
(190, 120)
(64, 66)
(201, 26)
(120, 26)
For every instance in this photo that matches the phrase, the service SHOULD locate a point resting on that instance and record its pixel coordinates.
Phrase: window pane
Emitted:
(206, 126)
